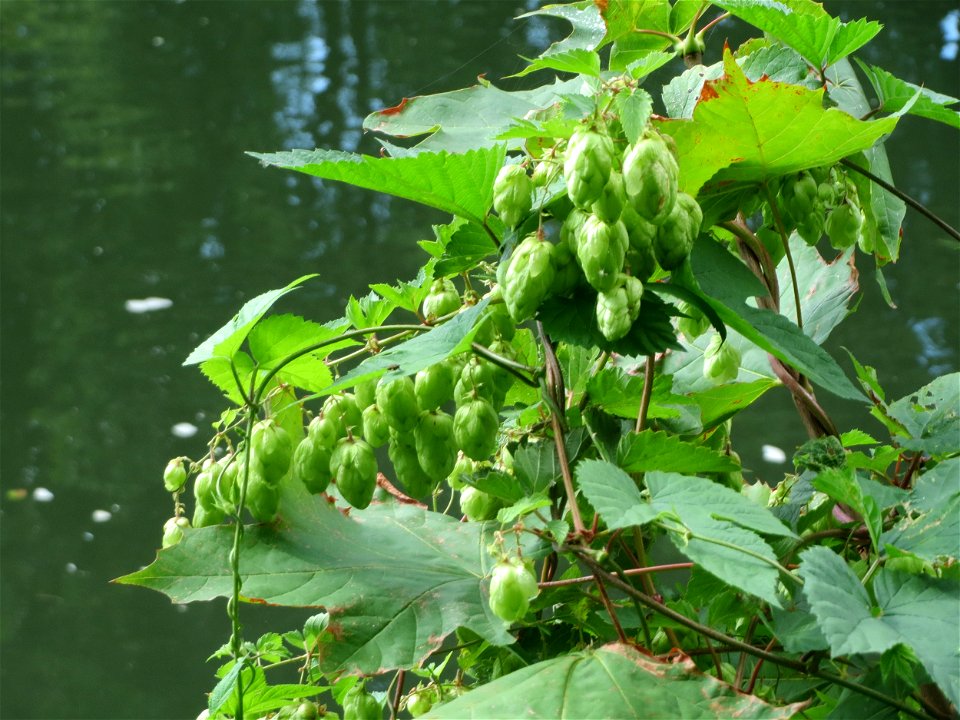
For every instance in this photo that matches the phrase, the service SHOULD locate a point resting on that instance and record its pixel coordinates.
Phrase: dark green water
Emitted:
(123, 177)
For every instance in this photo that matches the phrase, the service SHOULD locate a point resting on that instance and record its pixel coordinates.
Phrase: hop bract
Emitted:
(601, 250)
(512, 587)
(721, 361)
(677, 232)
(528, 278)
(650, 176)
(618, 309)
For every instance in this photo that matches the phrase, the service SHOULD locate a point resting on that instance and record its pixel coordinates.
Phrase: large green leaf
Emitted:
(460, 184)
(895, 94)
(228, 339)
(931, 416)
(804, 26)
(728, 283)
(930, 528)
(709, 523)
(613, 681)
(465, 119)
(917, 611)
(744, 132)
(396, 579)
(651, 450)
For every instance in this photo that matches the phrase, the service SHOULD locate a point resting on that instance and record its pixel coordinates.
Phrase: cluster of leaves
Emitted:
(833, 593)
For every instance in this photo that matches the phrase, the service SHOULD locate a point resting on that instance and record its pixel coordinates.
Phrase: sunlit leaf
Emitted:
(745, 132)
(651, 450)
(613, 681)
(819, 38)
(457, 184)
(931, 416)
(228, 339)
(894, 94)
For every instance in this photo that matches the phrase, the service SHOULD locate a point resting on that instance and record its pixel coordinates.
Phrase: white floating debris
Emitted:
(184, 430)
(101, 516)
(88, 536)
(71, 568)
(773, 454)
(149, 304)
(41, 494)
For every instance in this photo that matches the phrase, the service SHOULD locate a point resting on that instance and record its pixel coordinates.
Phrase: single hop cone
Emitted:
(443, 299)
(676, 234)
(651, 176)
(640, 237)
(601, 250)
(721, 361)
(512, 194)
(587, 166)
(618, 309)
(528, 278)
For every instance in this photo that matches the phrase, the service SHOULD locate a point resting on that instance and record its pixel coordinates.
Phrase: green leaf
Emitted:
(728, 282)
(427, 348)
(796, 627)
(649, 62)
(574, 60)
(613, 681)
(931, 416)
(651, 450)
(228, 339)
(278, 337)
(219, 372)
(465, 119)
(895, 94)
(588, 29)
(805, 27)
(916, 611)
(747, 132)
(434, 566)
(457, 184)
(406, 295)
(931, 528)
(724, 401)
(635, 108)
(468, 245)
(613, 494)
(369, 311)
(537, 466)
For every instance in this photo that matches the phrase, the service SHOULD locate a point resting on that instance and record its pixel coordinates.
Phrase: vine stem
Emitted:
(786, 249)
(736, 644)
(610, 610)
(512, 366)
(647, 393)
(629, 571)
(915, 204)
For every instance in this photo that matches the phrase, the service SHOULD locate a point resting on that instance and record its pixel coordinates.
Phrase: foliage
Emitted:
(614, 287)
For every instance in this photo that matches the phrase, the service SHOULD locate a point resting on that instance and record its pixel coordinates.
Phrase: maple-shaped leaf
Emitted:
(806, 27)
(746, 132)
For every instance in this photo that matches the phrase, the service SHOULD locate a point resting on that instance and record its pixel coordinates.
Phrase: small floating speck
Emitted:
(773, 454)
(71, 568)
(101, 516)
(148, 304)
(41, 494)
(88, 536)
(184, 430)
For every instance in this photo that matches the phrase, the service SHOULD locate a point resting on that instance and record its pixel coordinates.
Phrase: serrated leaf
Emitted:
(587, 25)
(427, 348)
(465, 119)
(537, 466)
(931, 528)
(228, 339)
(917, 611)
(853, 438)
(613, 494)
(895, 94)
(278, 337)
(744, 132)
(219, 372)
(575, 60)
(613, 681)
(652, 450)
(931, 416)
(796, 627)
(649, 62)
(819, 38)
(635, 109)
(728, 282)
(574, 320)
(434, 566)
(457, 184)
(369, 311)
(468, 245)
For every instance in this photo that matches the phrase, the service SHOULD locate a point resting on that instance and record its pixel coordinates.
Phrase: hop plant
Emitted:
(587, 166)
(601, 250)
(651, 176)
(528, 278)
(512, 194)
(618, 309)
(442, 299)
(677, 232)
(721, 361)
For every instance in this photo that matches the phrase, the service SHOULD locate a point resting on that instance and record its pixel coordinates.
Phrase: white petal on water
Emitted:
(41, 494)
(101, 516)
(71, 568)
(773, 454)
(184, 430)
(149, 304)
